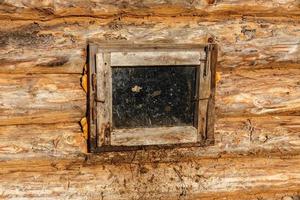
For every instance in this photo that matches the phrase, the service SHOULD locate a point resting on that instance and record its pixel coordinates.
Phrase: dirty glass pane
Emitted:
(153, 96)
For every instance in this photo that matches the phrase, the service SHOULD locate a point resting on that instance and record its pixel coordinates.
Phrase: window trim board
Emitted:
(100, 101)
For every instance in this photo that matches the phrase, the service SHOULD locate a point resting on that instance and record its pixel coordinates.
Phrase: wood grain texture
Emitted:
(154, 136)
(52, 98)
(234, 137)
(257, 145)
(33, 141)
(44, 10)
(103, 98)
(59, 45)
(258, 92)
(32, 99)
(239, 178)
(155, 58)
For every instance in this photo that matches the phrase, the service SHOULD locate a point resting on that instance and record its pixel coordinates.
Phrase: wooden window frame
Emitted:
(102, 57)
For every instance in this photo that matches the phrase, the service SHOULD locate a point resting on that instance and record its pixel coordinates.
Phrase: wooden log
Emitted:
(27, 50)
(34, 141)
(238, 178)
(58, 62)
(256, 154)
(37, 98)
(59, 46)
(44, 10)
(234, 137)
(258, 92)
(53, 98)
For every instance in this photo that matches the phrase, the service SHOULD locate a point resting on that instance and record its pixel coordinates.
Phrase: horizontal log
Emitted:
(258, 92)
(59, 46)
(26, 50)
(258, 137)
(58, 62)
(37, 98)
(44, 10)
(52, 98)
(238, 178)
(234, 137)
(33, 141)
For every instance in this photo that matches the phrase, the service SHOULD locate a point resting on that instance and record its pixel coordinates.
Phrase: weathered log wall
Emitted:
(42, 55)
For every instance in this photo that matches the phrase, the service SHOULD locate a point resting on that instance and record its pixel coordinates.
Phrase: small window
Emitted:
(151, 96)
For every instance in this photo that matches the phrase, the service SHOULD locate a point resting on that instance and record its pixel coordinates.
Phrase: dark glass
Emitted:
(153, 96)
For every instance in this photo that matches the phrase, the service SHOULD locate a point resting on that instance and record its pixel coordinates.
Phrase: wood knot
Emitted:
(211, 40)
(143, 170)
(210, 2)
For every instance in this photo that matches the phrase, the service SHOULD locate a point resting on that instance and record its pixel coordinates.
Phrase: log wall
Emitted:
(42, 56)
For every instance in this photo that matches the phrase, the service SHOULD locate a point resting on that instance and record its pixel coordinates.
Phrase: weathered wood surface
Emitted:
(104, 98)
(43, 10)
(153, 136)
(37, 98)
(258, 92)
(33, 141)
(52, 98)
(42, 54)
(198, 179)
(58, 46)
(155, 58)
(234, 137)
